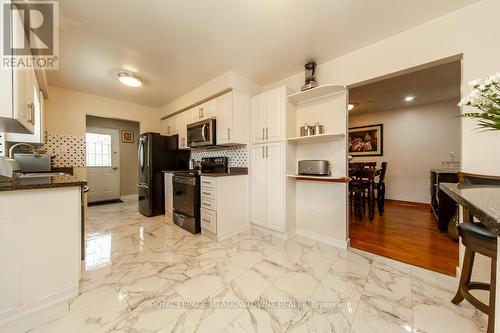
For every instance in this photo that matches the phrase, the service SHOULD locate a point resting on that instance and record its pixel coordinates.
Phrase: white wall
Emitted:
(470, 31)
(66, 110)
(227, 80)
(415, 140)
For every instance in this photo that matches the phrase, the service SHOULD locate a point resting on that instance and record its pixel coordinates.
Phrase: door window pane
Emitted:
(98, 150)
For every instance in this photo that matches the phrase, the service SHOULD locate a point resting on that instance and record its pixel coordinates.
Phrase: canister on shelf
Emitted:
(311, 130)
(319, 129)
(303, 130)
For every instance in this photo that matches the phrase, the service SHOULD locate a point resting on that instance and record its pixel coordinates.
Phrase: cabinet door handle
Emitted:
(263, 131)
(31, 108)
(205, 182)
(263, 152)
(229, 134)
(267, 133)
(267, 151)
(168, 129)
(205, 220)
(207, 193)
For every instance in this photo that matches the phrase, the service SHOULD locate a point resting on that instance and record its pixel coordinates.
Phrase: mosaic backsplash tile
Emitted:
(238, 156)
(68, 151)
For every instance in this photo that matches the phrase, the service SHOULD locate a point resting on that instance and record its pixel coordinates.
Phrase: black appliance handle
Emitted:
(142, 185)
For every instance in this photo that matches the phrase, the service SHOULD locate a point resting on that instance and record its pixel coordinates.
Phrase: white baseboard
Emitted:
(277, 234)
(129, 197)
(343, 244)
(27, 317)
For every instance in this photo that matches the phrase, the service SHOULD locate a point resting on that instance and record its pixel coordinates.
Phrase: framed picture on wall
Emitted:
(127, 137)
(366, 140)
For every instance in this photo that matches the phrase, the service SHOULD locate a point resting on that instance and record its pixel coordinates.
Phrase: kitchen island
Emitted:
(40, 244)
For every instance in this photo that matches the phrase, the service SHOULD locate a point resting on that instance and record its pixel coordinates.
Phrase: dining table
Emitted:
(367, 176)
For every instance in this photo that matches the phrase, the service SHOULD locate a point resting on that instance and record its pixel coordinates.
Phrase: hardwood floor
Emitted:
(407, 233)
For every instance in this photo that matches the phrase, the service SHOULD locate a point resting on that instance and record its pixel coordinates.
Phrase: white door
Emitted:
(275, 115)
(275, 185)
(224, 111)
(103, 164)
(258, 185)
(258, 118)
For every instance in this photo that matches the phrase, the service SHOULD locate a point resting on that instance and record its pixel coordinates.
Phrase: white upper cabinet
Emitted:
(268, 116)
(17, 85)
(181, 122)
(169, 126)
(232, 116)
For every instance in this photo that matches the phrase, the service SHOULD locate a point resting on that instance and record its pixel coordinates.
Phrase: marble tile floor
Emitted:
(147, 275)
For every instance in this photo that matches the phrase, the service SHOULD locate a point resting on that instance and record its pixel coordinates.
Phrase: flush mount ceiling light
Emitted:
(129, 79)
(350, 107)
(409, 98)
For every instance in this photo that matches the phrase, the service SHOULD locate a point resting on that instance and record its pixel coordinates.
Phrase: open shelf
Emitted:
(326, 179)
(317, 138)
(316, 93)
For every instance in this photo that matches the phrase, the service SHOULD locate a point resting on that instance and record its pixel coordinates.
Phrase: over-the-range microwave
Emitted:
(202, 133)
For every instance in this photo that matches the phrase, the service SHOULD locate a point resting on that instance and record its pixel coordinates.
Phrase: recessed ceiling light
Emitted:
(409, 98)
(130, 79)
(350, 107)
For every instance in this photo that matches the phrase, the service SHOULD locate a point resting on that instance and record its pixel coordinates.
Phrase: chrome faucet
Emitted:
(11, 150)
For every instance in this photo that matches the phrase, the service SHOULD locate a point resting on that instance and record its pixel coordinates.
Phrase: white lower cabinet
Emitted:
(268, 186)
(224, 206)
(169, 194)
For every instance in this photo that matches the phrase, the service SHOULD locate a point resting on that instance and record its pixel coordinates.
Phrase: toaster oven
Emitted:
(314, 167)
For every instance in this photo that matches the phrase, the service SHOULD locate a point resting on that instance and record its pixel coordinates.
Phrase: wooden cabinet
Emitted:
(268, 116)
(232, 116)
(443, 207)
(224, 206)
(267, 185)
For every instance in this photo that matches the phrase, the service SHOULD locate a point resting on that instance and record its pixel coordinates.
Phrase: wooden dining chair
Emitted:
(380, 189)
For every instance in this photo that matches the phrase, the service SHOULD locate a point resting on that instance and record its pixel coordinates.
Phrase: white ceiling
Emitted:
(431, 85)
(177, 45)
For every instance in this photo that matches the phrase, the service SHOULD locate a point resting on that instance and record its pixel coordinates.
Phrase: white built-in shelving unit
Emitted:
(319, 92)
(317, 138)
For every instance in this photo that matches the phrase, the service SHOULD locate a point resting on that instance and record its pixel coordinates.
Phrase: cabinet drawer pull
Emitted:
(206, 204)
(207, 193)
(207, 221)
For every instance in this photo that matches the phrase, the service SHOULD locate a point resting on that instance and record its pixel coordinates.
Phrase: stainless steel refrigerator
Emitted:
(157, 153)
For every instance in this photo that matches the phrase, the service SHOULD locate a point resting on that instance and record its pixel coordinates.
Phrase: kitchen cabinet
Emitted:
(181, 123)
(224, 206)
(267, 185)
(169, 126)
(268, 116)
(169, 194)
(38, 112)
(17, 111)
(232, 116)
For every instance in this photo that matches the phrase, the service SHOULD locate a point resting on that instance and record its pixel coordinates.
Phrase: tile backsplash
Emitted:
(238, 156)
(68, 150)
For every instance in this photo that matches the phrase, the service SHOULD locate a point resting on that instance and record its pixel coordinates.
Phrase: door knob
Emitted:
(115, 168)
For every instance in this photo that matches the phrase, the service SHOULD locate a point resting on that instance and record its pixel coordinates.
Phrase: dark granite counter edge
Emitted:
(52, 182)
(224, 174)
(489, 221)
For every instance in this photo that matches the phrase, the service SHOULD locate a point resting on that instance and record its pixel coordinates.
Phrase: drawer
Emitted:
(209, 220)
(208, 182)
(208, 204)
(208, 193)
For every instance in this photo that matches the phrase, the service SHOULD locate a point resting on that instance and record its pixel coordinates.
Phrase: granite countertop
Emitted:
(483, 201)
(442, 170)
(41, 183)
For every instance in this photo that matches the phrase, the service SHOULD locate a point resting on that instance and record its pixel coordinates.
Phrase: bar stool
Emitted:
(477, 239)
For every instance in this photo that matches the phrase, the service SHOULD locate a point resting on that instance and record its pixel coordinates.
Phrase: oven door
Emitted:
(201, 134)
(184, 195)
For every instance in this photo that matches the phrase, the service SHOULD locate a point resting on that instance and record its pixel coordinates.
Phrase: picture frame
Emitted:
(127, 136)
(366, 140)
